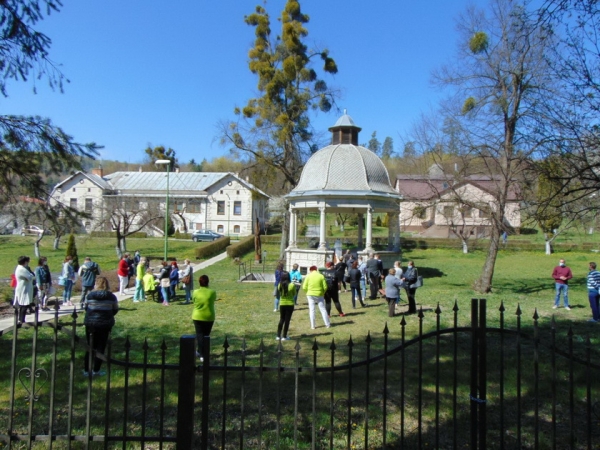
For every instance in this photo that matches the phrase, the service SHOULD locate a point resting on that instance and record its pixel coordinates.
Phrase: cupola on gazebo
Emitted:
(349, 179)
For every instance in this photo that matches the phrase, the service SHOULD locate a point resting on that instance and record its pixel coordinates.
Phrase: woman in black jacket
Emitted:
(100, 309)
(355, 277)
(409, 277)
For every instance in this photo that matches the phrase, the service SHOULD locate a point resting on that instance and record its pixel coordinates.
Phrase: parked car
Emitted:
(205, 235)
(32, 230)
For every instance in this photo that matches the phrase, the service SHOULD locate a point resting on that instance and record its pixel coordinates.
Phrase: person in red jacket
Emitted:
(562, 274)
(123, 273)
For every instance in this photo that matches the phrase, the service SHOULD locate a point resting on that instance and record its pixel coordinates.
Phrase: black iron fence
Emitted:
(450, 386)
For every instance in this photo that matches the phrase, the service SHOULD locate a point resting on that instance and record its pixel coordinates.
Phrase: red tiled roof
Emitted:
(420, 187)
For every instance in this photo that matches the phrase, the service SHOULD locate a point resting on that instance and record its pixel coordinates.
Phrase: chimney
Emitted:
(140, 169)
(98, 171)
(176, 169)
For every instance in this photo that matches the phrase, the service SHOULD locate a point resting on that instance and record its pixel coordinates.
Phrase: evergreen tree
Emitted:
(72, 251)
(387, 150)
(374, 145)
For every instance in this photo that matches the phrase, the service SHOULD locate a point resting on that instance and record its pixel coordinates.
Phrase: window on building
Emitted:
(420, 212)
(88, 226)
(221, 192)
(236, 229)
(73, 189)
(89, 189)
(448, 212)
(221, 207)
(89, 205)
(193, 207)
(73, 203)
(237, 192)
(484, 214)
(237, 208)
(178, 206)
(220, 229)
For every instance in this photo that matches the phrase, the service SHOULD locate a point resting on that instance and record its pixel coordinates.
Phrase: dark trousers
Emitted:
(285, 316)
(373, 285)
(412, 303)
(332, 295)
(203, 328)
(22, 312)
(391, 306)
(99, 345)
(356, 293)
(594, 299)
(85, 290)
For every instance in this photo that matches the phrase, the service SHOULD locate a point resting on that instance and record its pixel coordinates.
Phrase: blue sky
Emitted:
(165, 73)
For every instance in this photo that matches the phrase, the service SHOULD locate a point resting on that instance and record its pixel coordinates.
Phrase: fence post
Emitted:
(474, 364)
(205, 391)
(186, 392)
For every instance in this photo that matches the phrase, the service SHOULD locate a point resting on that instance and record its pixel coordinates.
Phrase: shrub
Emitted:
(72, 251)
(112, 234)
(245, 245)
(213, 248)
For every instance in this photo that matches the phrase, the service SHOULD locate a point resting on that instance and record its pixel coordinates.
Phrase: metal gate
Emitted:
(450, 386)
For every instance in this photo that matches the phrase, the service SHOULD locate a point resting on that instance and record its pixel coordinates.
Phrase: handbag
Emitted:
(186, 279)
(418, 283)
(62, 281)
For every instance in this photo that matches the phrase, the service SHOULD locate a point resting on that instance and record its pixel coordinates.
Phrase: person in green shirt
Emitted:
(287, 294)
(203, 313)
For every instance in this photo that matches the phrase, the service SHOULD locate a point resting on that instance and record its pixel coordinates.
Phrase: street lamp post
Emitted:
(166, 162)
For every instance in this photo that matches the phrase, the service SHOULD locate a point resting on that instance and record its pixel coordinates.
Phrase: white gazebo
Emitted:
(344, 178)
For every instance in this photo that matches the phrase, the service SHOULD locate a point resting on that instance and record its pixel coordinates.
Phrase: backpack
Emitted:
(331, 280)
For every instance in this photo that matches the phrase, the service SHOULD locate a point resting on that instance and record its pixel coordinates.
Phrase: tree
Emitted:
(28, 143)
(128, 215)
(502, 100)
(274, 129)
(387, 150)
(374, 145)
(160, 152)
(409, 150)
(72, 252)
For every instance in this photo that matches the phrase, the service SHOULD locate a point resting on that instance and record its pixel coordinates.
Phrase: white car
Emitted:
(31, 230)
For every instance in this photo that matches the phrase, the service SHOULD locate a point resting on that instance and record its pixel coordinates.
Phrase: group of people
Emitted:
(323, 289)
(562, 274)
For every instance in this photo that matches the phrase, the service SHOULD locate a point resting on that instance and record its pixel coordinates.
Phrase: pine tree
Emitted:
(72, 251)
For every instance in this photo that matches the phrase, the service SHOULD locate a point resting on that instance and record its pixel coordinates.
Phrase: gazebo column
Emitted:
(361, 217)
(369, 244)
(293, 228)
(396, 219)
(322, 243)
(391, 230)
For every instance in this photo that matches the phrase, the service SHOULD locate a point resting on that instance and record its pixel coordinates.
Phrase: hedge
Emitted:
(239, 249)
(113, 234)
(213, 248)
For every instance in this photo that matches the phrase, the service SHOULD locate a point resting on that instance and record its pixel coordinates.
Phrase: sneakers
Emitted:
(567, 308)
(342, 315)
(287, 338)
(136, 301)
(328, 326)
(275, 310)
(592, 320)
(555, 306)
(277, 338)
(99, 373)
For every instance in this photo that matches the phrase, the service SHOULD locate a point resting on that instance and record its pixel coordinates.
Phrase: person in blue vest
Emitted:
(88, 272)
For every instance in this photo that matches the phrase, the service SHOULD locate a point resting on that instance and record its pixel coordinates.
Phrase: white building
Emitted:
(222, 202)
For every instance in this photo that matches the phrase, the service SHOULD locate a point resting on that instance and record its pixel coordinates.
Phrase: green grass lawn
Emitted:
(245, 310)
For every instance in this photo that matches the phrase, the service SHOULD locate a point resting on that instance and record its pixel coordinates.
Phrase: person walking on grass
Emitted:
(203, 313)
(315, 286)
(140, 271)
(331, 275)
(43, 280)
(101, 306)
(356, 279)
(123, 273)
(287, 294)
(593, 287)
(562, 274)
(88, 272)
(410, 277)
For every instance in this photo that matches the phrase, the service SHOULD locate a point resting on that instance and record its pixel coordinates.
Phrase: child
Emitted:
(149, 283)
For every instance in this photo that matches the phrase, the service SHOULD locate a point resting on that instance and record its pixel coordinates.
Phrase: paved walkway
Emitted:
(8, 322)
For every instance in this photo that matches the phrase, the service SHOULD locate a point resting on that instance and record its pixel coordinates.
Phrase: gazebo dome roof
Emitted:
(344, 167)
